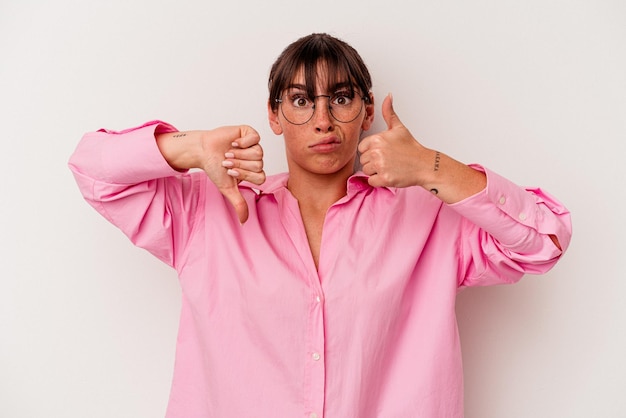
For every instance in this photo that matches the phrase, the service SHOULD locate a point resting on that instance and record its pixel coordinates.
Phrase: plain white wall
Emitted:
(536, 90)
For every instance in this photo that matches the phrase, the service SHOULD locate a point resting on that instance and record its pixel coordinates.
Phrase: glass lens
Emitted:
(298, 108)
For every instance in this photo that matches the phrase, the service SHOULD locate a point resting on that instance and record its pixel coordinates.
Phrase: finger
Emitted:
(368, 165)
(252, 153)
(389, 114)
(364, 145)
(249, 137)
(366, 161)
(233, 195)
(369, 169)
(369, 142)
(245, 164)
(246, 130)
(372, 180)
(256, 177)
(376, 181)
(254, 166)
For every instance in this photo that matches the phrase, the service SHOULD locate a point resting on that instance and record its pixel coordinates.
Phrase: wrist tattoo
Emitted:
(180, 135)
(437, 159)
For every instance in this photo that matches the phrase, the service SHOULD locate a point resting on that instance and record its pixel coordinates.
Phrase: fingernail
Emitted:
(234, 145)
(227, 164)
(232, 173)
(229, 155)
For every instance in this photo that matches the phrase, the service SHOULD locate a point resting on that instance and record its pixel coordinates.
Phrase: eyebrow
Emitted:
(336, 87)
(296, 86)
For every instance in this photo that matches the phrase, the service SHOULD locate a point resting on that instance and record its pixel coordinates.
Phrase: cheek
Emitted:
(292, 140)
(290, 135)
(354, 134)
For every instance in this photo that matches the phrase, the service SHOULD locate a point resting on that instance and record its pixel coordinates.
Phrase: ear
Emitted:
(272, 116)
(369, 114)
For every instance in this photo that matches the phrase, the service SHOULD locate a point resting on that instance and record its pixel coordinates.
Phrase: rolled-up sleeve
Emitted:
(507, 231)
(124, 176)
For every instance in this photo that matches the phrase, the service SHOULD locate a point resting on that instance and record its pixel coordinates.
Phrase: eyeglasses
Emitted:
(298, 108)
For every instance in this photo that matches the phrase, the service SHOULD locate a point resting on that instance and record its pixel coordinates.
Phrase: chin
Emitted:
(334, 167)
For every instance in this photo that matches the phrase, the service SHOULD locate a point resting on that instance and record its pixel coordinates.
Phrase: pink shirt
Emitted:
(371, 333)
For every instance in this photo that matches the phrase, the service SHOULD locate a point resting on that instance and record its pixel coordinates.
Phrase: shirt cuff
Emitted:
(133, 155)
(507, 212)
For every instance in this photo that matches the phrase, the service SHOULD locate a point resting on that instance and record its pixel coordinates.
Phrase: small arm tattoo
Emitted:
(436, 168)
(179, 135)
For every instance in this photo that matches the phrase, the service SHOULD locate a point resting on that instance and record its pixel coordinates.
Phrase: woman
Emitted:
(321, 291)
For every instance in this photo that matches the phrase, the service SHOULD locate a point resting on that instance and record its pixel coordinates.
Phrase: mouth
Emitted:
(326, 144)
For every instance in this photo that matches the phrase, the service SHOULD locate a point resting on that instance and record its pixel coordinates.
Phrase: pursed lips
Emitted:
(326, 143)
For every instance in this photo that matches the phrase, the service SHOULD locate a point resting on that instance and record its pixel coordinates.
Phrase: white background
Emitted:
(535, 90)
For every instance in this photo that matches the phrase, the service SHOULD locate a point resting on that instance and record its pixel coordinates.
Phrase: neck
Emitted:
(318, 190)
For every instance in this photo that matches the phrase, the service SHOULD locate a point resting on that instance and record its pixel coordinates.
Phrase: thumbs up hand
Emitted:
(394, 158)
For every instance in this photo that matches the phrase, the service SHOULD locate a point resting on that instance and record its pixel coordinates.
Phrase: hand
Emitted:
(233, 154)
(394, 158)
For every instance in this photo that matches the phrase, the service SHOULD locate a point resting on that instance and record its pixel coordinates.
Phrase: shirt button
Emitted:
(313, 415)
(502, 200)
(318, 299)
(522, 216)
(316, 356)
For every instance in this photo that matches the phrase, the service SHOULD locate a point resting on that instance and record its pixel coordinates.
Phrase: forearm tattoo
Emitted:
(436, 168)
(179, 135)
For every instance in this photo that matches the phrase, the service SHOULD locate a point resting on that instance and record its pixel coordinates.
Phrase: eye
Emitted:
(300, 101)
(342, 98)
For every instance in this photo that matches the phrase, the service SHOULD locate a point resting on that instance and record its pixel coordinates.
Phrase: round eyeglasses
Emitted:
(298, 108)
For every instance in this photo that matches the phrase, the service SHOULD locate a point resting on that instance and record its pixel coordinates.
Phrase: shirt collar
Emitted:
(278, 182)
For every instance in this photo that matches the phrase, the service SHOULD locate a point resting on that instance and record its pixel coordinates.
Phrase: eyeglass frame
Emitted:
(330, 110)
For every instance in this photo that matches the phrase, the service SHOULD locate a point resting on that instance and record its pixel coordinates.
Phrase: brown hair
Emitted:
(343, 63)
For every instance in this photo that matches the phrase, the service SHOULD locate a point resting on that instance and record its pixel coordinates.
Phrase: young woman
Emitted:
(326, 291)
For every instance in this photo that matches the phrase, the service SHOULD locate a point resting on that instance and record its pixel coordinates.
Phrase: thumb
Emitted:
(233, 195)
(389, 115)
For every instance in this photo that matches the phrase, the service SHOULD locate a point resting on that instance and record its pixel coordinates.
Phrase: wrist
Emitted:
(181, 150)
(452, 181)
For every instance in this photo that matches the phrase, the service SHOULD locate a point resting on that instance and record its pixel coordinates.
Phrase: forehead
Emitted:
(319, 78)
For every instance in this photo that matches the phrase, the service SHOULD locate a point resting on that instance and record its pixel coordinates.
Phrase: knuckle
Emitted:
(258, 178)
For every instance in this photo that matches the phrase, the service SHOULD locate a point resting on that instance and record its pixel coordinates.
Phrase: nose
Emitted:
(321, 114)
